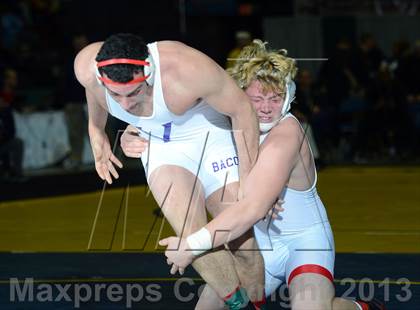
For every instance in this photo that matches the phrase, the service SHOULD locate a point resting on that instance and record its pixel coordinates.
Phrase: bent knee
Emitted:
(311, 291)
(246, 242)
(302, 304)
(247, 254)
(310, 297)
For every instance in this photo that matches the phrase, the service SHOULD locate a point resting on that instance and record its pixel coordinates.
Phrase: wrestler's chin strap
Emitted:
(290, 94)
(265, 127)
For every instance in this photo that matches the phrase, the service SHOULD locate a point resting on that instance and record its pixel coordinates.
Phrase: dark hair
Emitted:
(122, 45)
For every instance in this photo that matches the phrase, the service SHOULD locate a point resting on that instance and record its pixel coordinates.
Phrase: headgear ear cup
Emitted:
(150, 69)
(290, 96)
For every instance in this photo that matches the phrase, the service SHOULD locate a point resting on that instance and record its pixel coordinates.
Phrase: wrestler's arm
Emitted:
(209, 81)
(83, 71)
(278, 155)
(97, 114)
(230, 100)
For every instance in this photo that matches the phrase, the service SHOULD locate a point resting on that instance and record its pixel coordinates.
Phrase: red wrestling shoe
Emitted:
(374, 304)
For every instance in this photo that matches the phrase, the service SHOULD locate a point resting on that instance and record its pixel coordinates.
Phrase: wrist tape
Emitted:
(200, 241)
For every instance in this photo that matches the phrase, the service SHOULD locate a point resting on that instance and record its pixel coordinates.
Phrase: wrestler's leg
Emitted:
(314, 291)
(344, 304)
(181, 198)
(310, 271)
(209, 296)
(210, 300)
(311, 291)
(249, 263)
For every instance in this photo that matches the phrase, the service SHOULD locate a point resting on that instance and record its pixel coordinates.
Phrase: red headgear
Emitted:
(114, 61)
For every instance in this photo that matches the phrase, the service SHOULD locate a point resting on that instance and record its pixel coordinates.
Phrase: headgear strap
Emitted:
(114, 61)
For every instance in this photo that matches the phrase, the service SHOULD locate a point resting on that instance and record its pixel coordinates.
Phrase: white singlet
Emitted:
(200, 140)
(300, 236)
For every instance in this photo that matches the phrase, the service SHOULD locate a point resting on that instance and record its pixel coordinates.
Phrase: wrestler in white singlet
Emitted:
(300, 240)
(200, 135)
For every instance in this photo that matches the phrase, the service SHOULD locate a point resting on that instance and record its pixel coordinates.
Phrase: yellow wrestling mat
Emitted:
(371, 209)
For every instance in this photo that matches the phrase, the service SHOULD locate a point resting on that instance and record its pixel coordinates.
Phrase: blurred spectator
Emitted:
(304, 95)
(74, 98)
(400, 50)
(306, 109)
(242, 38)
(308, 7)
(44, 12)
(349, 77)
(410, 75)
(388, 119)
(336, 74)
(9, 82)
(336, 81)
(38, 32)
(353, 117)
(389, 99)
(365, 61)
(407, 7)
(11, 25)
(11, 147)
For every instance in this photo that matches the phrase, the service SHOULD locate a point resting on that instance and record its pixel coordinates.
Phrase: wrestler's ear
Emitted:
(150, 71)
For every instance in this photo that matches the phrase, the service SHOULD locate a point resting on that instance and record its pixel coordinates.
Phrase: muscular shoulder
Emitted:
(287, 128)
(177, 55)
(286, 135)
(84, 64)
(184, 63)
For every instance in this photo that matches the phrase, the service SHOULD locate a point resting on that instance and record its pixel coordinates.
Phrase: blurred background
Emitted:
(358, 83)
(358, 97)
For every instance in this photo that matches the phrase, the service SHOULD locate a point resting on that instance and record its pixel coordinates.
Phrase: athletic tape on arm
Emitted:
(200, 241)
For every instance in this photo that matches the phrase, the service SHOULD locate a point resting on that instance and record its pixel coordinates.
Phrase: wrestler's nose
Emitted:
(265, 107)
(125, 102)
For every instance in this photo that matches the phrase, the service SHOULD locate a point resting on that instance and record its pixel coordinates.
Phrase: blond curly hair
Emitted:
(271, 68)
